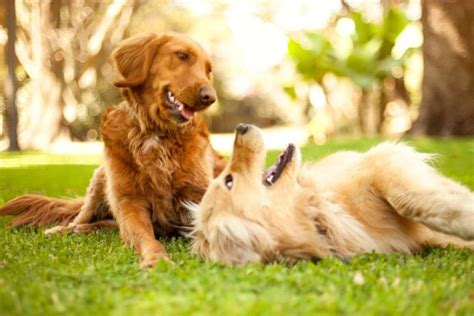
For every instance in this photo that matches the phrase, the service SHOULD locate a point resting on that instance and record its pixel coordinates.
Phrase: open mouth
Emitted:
(271, 175)
(180, 110)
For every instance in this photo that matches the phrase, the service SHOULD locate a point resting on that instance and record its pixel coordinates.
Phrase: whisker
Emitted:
(192, 207)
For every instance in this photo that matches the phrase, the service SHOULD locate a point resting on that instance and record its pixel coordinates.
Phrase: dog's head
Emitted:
(233, 223)
(170, 74)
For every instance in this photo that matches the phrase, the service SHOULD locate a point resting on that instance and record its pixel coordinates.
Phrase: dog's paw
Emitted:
(470, 245)
(57, 230)
(149, 260)
(83, 229)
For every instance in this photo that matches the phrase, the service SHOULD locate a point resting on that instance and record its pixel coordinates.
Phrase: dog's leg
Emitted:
(87, 228)
(417, 191)
(136, 230)
(95, 197)
(432, 238)
(446, 207)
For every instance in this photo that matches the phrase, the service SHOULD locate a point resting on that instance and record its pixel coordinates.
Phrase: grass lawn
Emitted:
(96, 274)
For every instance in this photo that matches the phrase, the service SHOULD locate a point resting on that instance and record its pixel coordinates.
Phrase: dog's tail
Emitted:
(36, 210)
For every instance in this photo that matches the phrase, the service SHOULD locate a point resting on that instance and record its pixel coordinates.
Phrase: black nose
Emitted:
(207, 96)
(242, 129)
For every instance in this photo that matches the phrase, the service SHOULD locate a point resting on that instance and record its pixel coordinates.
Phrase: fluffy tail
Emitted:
(36, 210)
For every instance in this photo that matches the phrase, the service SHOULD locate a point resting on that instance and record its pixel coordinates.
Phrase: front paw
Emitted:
(58, 230)
(84, 228)
(149, 259)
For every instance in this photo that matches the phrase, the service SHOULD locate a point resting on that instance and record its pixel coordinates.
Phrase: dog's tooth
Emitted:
(181, 107)
(270, 179)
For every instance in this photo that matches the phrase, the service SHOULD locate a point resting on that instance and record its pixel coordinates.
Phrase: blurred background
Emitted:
(314, 70)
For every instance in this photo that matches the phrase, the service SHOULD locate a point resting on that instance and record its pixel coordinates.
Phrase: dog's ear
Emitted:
(240, 241)
(133, 58)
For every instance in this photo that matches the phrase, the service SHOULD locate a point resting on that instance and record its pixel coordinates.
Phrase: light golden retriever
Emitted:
(385, 200)
(157, 150)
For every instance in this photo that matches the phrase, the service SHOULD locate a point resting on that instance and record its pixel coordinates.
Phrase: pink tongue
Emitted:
(187, 113)
(268, 172)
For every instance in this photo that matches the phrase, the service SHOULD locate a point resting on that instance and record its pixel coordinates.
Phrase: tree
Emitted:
(62, 45)
(11, 82)
(368, 64)
(447, 106)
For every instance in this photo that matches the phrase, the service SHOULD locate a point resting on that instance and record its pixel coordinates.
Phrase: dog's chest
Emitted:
(167, 165)
(158, 155)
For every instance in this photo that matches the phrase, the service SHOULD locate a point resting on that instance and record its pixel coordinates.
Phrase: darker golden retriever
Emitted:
(157, 150)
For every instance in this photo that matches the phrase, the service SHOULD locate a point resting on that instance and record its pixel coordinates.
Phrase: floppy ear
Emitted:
(134, 56)
(239, 241)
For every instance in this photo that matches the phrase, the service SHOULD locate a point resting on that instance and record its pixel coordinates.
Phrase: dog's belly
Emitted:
(362, 222)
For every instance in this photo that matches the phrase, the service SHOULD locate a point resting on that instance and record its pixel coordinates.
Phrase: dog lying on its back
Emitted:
(386, 200)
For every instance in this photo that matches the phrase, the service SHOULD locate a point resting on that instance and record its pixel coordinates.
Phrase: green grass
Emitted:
(96, 274)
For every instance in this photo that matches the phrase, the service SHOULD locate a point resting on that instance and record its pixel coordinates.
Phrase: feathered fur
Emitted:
(386, 200)
(36, 210)
(155, 157)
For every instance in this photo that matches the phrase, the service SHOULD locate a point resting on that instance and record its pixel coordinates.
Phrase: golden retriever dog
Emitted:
(157, 150)
(386, 200)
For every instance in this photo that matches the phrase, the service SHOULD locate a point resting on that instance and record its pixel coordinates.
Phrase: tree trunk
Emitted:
(45, 115)
(11, 82)
(56, 53)
(447, 106)
(383, 100)
(363, 112)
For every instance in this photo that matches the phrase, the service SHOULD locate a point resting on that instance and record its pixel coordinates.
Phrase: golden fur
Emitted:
(157, 154)
(385, 200)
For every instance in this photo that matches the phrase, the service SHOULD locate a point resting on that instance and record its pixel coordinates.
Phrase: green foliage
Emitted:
(291, 91)
(394, 23)
(314, 58)
(369, 60)
(96, 274)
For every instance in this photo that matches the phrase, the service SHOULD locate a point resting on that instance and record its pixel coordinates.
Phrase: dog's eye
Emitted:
(229, 181)
(182, 55)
